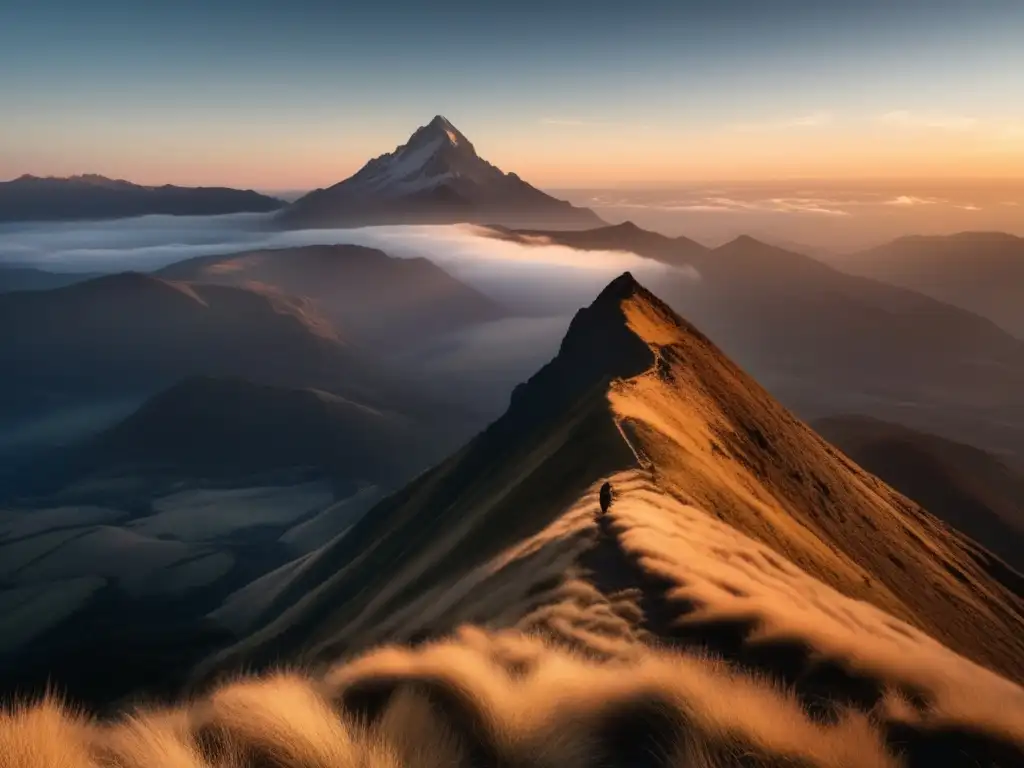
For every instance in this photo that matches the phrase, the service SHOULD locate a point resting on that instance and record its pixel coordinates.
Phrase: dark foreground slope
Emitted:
(856, 629)
(968, 488)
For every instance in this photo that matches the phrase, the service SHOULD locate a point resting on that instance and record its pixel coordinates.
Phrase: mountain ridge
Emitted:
(665, 410)
(825, 341)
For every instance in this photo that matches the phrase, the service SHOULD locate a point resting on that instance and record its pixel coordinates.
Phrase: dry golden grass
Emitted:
(586, 677)
(479, 699)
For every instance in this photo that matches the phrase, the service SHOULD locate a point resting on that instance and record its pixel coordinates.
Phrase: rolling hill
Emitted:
(34, 198)
(232, 431)
(435, 177)
(370, 296)
(968, 488)
(979, 271)
(136, 333)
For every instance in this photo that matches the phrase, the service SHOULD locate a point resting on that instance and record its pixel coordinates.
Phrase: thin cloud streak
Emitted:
(782, 205)
(910, 200)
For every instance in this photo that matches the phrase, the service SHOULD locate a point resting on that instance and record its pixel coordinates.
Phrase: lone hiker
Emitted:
(606, 497)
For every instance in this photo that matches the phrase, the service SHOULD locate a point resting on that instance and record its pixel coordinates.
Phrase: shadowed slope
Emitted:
(979, 271)
(132, 333)
(232, 430)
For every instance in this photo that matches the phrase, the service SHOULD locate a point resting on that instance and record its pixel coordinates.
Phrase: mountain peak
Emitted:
(440, 122)
(440, 130)
(627, 226)
(434, 177)
(622, 287)
(603, 343)
(743, 241)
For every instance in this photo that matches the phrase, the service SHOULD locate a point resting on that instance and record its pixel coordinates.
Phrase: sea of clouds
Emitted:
(536, 280)
(541, 285)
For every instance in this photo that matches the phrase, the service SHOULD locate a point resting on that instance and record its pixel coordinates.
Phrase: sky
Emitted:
(279, 96)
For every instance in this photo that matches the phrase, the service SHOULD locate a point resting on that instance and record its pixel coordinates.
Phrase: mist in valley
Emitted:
(537, 287)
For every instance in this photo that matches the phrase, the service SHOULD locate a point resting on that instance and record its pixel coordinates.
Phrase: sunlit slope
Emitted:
(711, 436)
(633, 389)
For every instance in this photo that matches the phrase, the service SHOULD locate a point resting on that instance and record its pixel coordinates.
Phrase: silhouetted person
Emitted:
(606, 497)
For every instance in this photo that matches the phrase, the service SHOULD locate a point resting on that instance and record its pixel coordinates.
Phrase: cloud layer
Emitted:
(538, 279)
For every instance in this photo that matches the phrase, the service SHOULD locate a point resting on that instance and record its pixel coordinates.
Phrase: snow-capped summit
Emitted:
(436, 153)
(435, 177)
(440, 123)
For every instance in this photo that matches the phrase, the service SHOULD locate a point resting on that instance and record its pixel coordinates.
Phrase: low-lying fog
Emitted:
(538, 280)
(542, 286)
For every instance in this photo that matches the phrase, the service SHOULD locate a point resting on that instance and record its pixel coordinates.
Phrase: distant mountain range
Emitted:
(34, 198)
(979, 271)
(435, 177)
